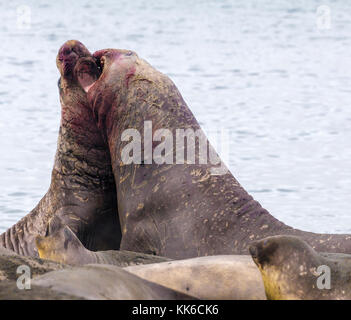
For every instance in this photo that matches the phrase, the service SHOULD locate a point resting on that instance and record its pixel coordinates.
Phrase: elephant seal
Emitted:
(82, 192)
(215, 277)
(291, 269)
(171, 206)
(9, 291)
(207, 278)
(11, 261)
(100, 282)
(63, 246)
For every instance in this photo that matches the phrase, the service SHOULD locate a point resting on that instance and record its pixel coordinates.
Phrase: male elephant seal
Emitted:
(166, 207)
(82, 192)
(63, 246)
(291, 269)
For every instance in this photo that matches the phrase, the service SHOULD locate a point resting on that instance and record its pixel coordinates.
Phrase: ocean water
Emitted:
(271, 73)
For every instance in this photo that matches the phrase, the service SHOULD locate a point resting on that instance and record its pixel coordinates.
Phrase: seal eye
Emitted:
(129, 53)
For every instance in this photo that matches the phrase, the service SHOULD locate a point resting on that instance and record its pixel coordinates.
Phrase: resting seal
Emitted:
(207, 278)
(215, 277)
(63, 246)
(82, 191)
(289, 269)
(100, 282)
(168, 209)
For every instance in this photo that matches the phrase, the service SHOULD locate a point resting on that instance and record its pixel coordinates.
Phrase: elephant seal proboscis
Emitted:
(291, 269)
(63, 246)
(82, 191)
(165, 207)
(100, 282)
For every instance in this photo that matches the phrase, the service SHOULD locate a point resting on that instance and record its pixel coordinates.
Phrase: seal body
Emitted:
(215, 277)
(172, 209)
(101, 282)
(233, 277)
(82, 192)
(292, 270)
(63, 246)
(10, 262)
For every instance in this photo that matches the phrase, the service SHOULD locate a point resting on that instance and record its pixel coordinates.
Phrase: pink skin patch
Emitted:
(117, 57)
(86, 81)
(87, 74)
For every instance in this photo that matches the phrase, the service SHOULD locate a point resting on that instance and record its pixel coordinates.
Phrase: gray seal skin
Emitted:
(101, 282)
(10, 261)
(216, 277)
(289, 269)
(64, 247)
(82, 192)
(233, 277)
(175, 210)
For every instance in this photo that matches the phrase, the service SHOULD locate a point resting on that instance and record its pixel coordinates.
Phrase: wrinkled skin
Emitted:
(82, 192)
(175, 210)
(289, 269)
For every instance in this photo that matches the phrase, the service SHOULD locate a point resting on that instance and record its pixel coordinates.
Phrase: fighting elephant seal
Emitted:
(63, 246)
(82, 191)
(166, 208)
(291, 269)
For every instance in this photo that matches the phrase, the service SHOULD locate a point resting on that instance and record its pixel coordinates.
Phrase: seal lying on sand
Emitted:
(209, 278)
(82, 193)
(99, 282)
(106, 282)
(166, 208)
(215, 277)
(64, 247)
(291, 269)
(10, 261)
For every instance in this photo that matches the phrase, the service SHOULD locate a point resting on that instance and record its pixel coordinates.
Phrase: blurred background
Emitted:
(274, 74)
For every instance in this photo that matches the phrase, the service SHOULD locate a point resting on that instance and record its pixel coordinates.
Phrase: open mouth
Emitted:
(87, 70)
(100, 62)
